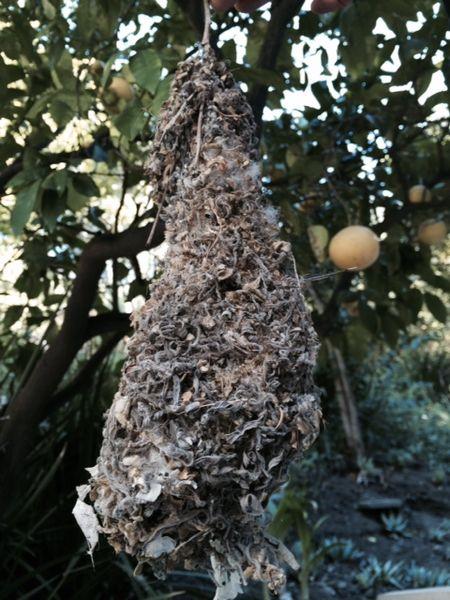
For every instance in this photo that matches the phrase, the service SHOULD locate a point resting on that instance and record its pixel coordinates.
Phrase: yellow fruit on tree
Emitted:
(355, 247)
(121, 88)
(419, 193)
(318, 238)
(432, 232)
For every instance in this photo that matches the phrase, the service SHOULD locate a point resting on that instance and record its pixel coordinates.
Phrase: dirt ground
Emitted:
(424, 506)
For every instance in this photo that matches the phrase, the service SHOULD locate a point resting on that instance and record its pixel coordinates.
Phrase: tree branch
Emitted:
(283, 11)
(84, 376)
(32, 402)
(109, 322)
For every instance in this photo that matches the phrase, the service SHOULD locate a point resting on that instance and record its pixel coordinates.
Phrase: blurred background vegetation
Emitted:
(353, 110)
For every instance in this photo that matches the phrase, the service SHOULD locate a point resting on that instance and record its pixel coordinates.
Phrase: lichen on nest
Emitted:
(216, 396)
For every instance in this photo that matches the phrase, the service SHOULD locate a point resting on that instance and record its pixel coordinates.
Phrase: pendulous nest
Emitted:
(216, 396)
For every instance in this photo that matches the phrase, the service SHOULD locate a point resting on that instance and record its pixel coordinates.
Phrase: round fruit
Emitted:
(121, 88)
(318, 238)
(355, 247)
(419, 193)
(432, 232)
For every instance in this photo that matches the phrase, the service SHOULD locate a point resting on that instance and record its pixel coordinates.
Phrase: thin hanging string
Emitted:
(327, 275)
(205, 47)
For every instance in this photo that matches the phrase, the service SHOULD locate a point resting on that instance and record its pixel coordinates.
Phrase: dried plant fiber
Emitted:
(216, 396)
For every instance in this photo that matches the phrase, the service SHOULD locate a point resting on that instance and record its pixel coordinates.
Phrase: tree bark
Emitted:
(83, 378)
(283, 11)
(30, 405)
(347, 406)
(344, 392)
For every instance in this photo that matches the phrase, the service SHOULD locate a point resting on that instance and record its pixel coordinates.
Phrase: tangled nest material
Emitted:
(216, 396)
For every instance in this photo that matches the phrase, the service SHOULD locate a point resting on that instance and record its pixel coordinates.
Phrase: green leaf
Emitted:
(436, 307)
(52, 205)
(61, 112)
(361, 53)
(24, 178)
(86, 17)
(84, 185)
(62, 74)
(8, 74)
(29, 283)
(146, 68)
(414, 300)
(75, 200)
(12, 315)
(107, 69)
(40, 104)
(25, 203)
(8, 149)
(57, 181)
(424, 80)
(442, 283)
(131, 121)
(9, 43)
(49, 9)
(161, 95)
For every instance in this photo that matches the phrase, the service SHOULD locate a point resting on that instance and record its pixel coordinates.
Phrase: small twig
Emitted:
(122, 198)
(199, 135)
(155, 223)
(115, 286)
(137, 269)
(175, 117)
(207, 27)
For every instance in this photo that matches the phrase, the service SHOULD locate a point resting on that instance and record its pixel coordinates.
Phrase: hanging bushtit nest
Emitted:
(216, 396)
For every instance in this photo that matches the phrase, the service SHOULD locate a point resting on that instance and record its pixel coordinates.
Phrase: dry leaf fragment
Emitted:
(186, 397)
(229, 583)
(159, 546)
(151, 495)
(88, 523)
